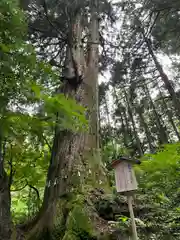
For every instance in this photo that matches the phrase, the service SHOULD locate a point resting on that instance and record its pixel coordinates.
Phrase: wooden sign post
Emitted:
(126, 183)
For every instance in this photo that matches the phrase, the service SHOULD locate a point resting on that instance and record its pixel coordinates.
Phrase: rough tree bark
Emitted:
(69, 147)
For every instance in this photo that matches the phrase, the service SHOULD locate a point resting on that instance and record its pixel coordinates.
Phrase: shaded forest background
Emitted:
(60, 129)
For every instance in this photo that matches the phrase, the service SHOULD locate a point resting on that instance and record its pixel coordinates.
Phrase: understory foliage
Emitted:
(28, 113)
(139, 116)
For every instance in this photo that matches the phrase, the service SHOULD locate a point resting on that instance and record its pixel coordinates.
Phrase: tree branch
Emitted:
(36, 190)
(44, 33)
(19, 189)
(45, 139)
(47, 17)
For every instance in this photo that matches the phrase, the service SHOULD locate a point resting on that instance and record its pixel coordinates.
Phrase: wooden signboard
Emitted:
(125, 177)
(126, 183)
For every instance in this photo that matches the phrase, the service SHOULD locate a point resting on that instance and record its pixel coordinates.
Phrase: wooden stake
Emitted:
(134, 231)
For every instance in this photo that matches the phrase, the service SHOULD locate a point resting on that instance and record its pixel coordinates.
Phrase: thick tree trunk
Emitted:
(69, 147)
(92, 94)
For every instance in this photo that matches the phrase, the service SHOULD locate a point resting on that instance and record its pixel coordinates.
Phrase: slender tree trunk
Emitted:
(146, 129)
(163, 75)
(133, 124)
(162, 135)
(5, 200)
(107, 111)
(125, 130)
(164, 78)
(128, 126)
(108, 121)
(124, 122)
(169, 113)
